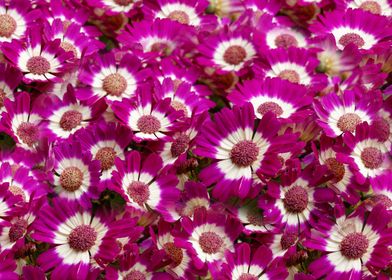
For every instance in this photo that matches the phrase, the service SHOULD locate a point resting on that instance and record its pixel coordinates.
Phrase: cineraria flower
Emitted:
(208, 236)
(383, 123)
(245, 264)
(76, 175)
(39, 61)
(284, 99)
(227, 51)
(295, 65)
(341, 114)
(194, 196)
(15, 19)
(240, 148)
(7, 201)
(365, 153)
(148, 120)
(107, 79)
(379, 7)
(144, 185)
(78, 238)
(22, 121)
(358, 27)
(10, 78)
(351, 243)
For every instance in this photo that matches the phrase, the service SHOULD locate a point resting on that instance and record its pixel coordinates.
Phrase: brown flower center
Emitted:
(296, 199)
(28, 133)
(179, 16)
(244, 153)
(139, 192)
(210, 242)
(173, 252)
(348, 122)
(71, 179)
(114, 84)
(7, 26)
(371, 6)
(106, 156)
(148, 124)
(270, 107)
(70, 120)
(17, 230)
(354, 245)
(38, 65)
(290, 75)
(336, 168)
(234, 55)
(351, 38)
(82, 238)
(285, 41)
(372, 157)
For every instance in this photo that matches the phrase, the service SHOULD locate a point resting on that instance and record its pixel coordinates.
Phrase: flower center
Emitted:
(179, 16)
(178, 106)
(348, 122)
(82, 238)
(371, 6)
(179, 145)
(71, 179)
(15, 190)
(285, 41)
(160, 47)
(336, 168)
(7, 26)
(254, 218)
(148, 124)
(270, 107)
(290, 75)
(70, 120)
(354, 245)
(351, 38)
(382, 128)
(244, 153)
(248, 276)
(123, 2)
(69, 47)
(17, 230)
(296, 199)
(28, 133)
(372, 157)
(234, 55)
(138, 192)
(106, 156)
(38, 65)
(135, 275)
(287, 240)
(383, 200)
(210, 242)
(173, 252)
(114, 84)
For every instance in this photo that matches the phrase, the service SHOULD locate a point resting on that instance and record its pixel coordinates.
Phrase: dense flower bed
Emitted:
(180, 139)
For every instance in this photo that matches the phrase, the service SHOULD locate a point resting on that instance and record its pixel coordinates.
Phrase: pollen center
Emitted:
(179, 16)
(382, 128)
(351, 38)
(123, 2)
(287, 240)
(244, 153)
(254, 218)
(336, 168)
(290, 75)
(82, 238)
(7, 26)
(178, 106)
(179, 145)
(348, 122)
(371, 6)
(70, 120)
(296, 199)
(114, 84)
(248, 276)
(135, 275)
(17, 230)
(372, 157)
(138, 192)
(148, 124)
(38, 65)
(28, 133)
(285, 41)
(354, 245)
(106, 156)
(270, 107)
(210, 242)
(160, 47)
(71, 179)
(173, 252)
(69, 47)
(15, 190)
(234, 55)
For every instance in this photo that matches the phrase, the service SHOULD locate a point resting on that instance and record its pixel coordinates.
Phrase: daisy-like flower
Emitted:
(227, 51)
(76, 175)
(144, 185)
(15, 18)
(148, 120)
(194, 196)
(63, 118)
(383, 123)
(10, 78)
(39, 61)
(208, 236)
(379, 7)
(351, 243)
(284, 99)
(240, 148)
(295, 65)
(106, 142)
(245, 264)
(114, 6)
(7, 202)
(365, 153)
(78, 238)
(107, 79)
(358, 27)
(341, 114)
(161, 37)
(22, 121)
